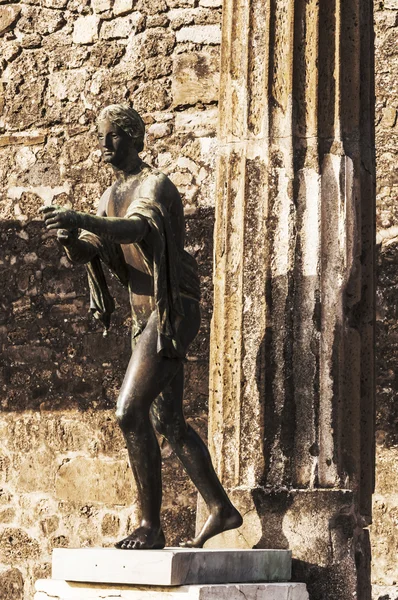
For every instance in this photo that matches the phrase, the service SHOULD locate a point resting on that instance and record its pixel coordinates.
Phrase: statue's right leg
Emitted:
(147, 375)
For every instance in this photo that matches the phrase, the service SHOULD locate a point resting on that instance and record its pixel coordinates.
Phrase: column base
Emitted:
(330, 547)
(52, 589)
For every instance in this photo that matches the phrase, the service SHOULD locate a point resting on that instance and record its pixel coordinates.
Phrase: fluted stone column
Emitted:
(292, 376)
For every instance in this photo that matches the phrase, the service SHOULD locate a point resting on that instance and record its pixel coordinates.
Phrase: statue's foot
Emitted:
(219, 520)
(143, 538)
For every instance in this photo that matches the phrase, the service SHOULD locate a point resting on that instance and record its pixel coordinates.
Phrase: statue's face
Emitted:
(116, 146)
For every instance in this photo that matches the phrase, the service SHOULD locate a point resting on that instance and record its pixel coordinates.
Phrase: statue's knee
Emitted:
(126, 416)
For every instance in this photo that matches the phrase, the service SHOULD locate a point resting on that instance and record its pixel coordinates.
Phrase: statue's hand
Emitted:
(67, 236)
(56, 217)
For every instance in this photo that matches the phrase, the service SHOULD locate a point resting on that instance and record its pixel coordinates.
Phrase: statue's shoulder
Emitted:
(155, 184)
(153, 175)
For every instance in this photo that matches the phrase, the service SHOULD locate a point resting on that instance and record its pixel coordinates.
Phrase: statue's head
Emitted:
(121, 133)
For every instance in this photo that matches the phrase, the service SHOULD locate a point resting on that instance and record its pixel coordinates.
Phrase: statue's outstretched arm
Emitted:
(118, 230)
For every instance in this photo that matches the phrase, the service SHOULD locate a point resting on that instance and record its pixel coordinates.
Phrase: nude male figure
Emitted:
(139, 232)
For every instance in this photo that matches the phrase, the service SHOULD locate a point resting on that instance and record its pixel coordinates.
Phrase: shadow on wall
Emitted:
(386, 344)
(54, 355)
(53, 351)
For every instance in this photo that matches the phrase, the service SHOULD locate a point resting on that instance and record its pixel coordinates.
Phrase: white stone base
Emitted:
(50, 589)
(171, 566)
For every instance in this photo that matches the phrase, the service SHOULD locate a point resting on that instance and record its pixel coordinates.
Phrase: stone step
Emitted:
(50, 589)
(170, 566)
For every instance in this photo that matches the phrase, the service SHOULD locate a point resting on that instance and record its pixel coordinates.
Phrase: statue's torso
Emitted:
(122, 195)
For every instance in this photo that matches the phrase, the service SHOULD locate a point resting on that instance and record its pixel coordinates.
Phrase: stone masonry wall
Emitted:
(64, 476)
(64, 479)
(384, 530)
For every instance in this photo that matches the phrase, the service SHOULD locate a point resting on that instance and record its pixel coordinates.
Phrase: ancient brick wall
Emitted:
(64, 477)
(384, 530)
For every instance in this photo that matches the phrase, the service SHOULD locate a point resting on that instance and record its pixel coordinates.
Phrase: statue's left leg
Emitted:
(168, 419)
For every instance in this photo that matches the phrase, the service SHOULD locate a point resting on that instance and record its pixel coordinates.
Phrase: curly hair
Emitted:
(128, 120)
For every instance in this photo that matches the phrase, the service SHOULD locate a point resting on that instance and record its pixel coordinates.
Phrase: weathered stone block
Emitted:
(25, 139)
(122, 27)
(8, 16)
(10, 51)
(37, 472)
(16, 544)
(200, 123)
(181, 3)
(28, 354)
(151, 7)
(11, 585)
(389, 117)
(158, 66)
(195, 78)
(391, 4)
(161, 20)
(86, 480)
(159, 130)
(155, 42)
(200, 34)
(384, 592)
(211, 3)
(100, 6)
(207, 16)
(24, 104)
(67, 84)
(65, 434)
(180, 16)
(110, 525)
(152, 96)
(384, 528)
(7, 515)
(49, 525)
(55, 3)
(122, 7)
(181, 179)
(85, 30)
(77, 149)
(40, 20)
(387, 470)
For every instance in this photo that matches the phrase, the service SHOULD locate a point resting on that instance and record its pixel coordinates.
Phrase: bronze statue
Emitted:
(139, 234)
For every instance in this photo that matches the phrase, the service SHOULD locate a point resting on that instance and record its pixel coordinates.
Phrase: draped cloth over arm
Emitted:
(102, 305)
(174, 272)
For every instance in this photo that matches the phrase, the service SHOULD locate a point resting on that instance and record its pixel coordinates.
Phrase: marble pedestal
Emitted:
(171, 566)
(170, 574)
(51, 589)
